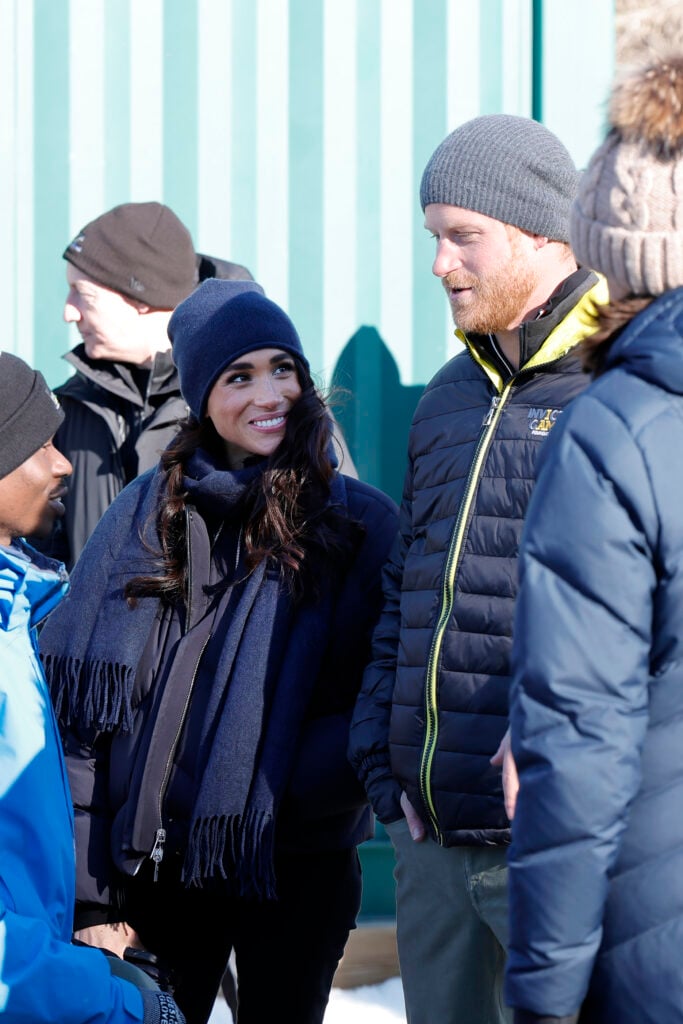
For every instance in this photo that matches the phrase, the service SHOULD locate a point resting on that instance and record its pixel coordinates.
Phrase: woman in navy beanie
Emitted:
(204, 668)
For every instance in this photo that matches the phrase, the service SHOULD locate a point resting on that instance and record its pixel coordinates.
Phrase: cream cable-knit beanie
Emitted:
(627, 220)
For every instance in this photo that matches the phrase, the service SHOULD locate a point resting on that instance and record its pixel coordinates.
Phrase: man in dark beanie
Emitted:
(433, 712)
(43, 977)
(126, 272)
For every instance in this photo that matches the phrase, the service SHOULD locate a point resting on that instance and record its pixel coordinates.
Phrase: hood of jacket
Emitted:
(650, 346)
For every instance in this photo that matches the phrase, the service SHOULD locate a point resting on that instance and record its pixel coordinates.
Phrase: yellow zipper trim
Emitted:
(579, 324)
(488, 368)
(431, 704)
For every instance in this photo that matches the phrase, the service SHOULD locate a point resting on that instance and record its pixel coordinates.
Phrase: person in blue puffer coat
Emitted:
(596, 862)
(44, 979)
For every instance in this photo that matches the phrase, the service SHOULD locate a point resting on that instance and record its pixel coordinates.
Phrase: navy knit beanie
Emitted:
(510, 168)
(219, 322)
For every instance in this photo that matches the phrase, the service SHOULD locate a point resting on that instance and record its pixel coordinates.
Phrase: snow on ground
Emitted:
(371, 1004)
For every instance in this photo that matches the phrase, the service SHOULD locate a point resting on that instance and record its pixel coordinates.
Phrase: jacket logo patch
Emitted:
(542, 421)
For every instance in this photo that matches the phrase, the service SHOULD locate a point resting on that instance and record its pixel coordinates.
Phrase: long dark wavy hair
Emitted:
(613, 317)
(286, 512)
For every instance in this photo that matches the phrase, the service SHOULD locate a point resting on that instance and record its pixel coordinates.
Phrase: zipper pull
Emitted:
(157, 854)
(495, 402)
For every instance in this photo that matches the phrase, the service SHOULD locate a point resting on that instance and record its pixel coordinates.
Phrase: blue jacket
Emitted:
(596, 865)
(434, 702)
(42, 977)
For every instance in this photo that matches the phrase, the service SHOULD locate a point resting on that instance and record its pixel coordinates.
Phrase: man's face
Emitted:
(485, 266)
(109, 323)
(31, 495)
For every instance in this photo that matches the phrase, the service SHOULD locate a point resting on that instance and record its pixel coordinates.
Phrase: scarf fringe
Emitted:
(91, 694)
(236, 847)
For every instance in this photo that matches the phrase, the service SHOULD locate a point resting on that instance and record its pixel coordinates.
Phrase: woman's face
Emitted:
(249, 403)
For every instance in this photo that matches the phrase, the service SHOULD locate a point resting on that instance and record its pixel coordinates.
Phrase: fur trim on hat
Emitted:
(627, 220)
(647, 107)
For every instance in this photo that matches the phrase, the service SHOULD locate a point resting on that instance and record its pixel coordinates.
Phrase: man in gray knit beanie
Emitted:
(429, 735)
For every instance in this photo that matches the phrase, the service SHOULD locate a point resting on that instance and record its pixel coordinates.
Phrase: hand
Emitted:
(415, 823)
(503, 757)
(113, 937)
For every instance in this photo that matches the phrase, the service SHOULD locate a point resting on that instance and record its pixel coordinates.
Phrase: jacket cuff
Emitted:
(384, 793)
(528, 1017)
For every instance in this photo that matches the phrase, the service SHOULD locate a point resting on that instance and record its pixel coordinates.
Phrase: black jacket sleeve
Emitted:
(87, 766)
(369, 737)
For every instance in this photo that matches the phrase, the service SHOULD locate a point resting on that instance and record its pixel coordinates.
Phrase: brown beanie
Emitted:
(141, 250)
(627, 221)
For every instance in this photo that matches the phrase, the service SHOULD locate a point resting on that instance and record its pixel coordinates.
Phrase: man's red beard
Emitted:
(496, 302)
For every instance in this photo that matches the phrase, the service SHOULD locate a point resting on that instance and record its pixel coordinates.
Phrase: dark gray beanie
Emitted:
(219, 322)
(29, 413)
(510, 168)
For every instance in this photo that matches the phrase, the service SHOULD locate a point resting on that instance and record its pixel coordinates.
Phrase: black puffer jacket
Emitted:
(112, 432)
(434, 702)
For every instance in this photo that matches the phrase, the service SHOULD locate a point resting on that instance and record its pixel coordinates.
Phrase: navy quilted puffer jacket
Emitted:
(597, 706)
(434, 703)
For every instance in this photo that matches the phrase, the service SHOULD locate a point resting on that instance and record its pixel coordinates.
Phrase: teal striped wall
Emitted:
(289, 135)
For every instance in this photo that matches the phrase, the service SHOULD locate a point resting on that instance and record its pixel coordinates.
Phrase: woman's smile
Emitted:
(249, 403)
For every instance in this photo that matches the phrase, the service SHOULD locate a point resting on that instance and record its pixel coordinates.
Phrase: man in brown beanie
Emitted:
(433, 709)
(126, 272)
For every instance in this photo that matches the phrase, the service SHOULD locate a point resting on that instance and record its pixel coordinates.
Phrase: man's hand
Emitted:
(503, 757)
(113, 937)
(415, 823)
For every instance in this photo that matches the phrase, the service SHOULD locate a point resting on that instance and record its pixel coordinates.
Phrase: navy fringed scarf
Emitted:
(269, 663)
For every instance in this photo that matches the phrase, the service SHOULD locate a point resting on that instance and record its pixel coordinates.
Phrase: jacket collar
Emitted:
(118, 378)
(569, 317)
(650, 345)
(30, 584)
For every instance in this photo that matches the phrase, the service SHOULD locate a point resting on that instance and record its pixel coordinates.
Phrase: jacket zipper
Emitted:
(188, 548)
(447, 592)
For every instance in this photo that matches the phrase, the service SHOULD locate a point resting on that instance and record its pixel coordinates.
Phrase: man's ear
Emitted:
(142, 308)
(540, 241)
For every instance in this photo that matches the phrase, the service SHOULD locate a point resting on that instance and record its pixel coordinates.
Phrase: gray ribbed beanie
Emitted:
(627, 221)
(510, 168)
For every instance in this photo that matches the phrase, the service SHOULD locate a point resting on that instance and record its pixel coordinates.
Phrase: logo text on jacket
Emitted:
(542, 421)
